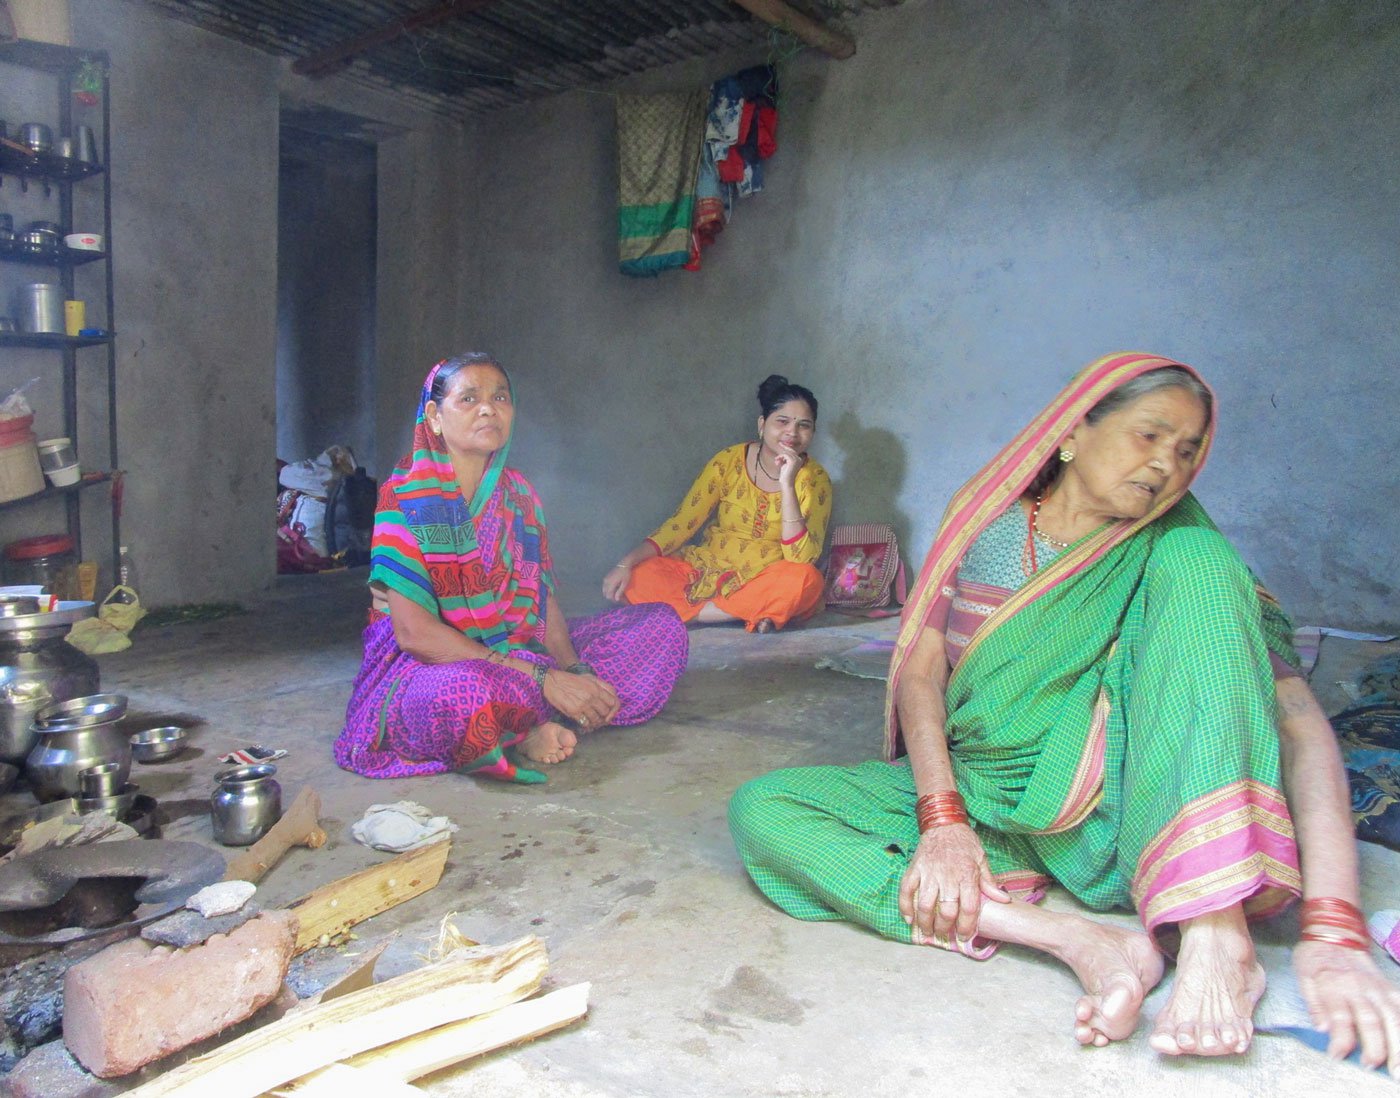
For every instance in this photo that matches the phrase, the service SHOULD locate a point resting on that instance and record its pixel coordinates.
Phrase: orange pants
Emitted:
(781, 592)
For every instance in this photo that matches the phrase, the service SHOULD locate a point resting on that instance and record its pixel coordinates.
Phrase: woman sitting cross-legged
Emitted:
(467, 654)
(1092, 689)
(756, 563)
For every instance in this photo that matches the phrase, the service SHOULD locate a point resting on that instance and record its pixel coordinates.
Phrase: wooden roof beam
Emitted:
(333, 58)
(832, 42)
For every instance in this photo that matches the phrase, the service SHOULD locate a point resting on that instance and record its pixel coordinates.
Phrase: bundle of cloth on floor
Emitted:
(682, 159)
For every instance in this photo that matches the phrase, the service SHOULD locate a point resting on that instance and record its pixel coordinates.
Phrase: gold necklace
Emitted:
(1054, 543)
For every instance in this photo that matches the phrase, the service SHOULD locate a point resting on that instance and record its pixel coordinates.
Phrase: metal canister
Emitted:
(40, 307)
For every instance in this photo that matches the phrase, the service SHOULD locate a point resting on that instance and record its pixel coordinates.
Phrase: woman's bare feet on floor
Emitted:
(548, 743)
(1117, 969)
(764, 625)
(1218, 982)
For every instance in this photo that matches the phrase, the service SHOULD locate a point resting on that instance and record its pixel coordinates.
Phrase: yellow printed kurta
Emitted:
(746, 535)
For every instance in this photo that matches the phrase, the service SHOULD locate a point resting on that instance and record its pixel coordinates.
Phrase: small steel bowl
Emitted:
(155, 744)
(82, 712)
(117, 805)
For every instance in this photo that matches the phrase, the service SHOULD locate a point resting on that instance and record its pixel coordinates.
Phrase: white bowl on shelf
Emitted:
(84, 242)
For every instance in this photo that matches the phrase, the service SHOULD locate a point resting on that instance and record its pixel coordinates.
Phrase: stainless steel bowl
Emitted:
(85, 712)
(116, 805)
(155, 744)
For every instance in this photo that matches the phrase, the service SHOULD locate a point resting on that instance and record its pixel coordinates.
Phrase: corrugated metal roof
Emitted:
(501, 52)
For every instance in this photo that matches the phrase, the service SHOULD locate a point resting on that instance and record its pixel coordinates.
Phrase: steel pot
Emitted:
(38, 667)
(247, 802)
(37, 136)
(59, 758)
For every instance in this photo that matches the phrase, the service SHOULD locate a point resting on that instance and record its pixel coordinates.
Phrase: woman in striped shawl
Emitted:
(1092, 690)
(468, 659)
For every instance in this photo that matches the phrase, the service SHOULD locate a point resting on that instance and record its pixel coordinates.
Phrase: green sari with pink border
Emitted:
(1112, 724)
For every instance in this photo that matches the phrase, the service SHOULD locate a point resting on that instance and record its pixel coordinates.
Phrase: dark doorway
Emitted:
(326, 228)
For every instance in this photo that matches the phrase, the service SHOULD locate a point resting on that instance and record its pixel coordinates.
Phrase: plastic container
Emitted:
(59, 461)
(50, 560)
(20, 474)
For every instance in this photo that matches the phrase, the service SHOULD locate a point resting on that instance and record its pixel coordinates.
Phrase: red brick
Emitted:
(134, 1002)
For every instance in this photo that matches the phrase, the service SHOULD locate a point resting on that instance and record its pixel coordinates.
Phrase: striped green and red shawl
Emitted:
(482, 567)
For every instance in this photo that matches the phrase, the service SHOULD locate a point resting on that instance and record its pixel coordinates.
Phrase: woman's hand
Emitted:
(615, 582)
(1351, 1001)
(942, 891)
(583, 698)
(788, 461)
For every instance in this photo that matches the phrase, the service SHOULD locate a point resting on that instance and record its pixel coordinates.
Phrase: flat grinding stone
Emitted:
(173, 871)
(189, 928)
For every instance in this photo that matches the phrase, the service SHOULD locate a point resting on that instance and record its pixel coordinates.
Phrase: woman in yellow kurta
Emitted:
(756, 562)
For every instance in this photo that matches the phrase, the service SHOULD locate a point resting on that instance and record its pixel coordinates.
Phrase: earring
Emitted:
(1066, 456)
(438, 431)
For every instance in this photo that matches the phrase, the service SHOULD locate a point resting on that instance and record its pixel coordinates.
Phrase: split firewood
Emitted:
(333, 909)
(300, 825)
(425, 1053)
(462, 985)
(338, 1080)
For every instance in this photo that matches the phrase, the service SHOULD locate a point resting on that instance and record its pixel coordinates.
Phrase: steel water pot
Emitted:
(246, 803)
(37, 668)
(59, 757)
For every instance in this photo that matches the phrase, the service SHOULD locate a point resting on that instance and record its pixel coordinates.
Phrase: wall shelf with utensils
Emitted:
(76, 158)
(14, 251)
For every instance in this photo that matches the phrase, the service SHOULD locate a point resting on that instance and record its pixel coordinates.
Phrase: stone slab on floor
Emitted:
(623, 863)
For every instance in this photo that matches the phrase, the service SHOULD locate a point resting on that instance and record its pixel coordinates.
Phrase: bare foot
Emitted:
(764, 625)
(1117, 969)
(548, 743)
(1218, 982)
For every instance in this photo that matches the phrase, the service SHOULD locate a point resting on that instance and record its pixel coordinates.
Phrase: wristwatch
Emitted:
(580, 668)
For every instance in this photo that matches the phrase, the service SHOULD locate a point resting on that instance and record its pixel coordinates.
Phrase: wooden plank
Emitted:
(333, 909)
(465, 983)
(342, 1081)
(332, 58)
(833, 43)
(436, 1049)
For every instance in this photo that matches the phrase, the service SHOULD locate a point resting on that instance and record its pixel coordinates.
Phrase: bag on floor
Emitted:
(863, 570)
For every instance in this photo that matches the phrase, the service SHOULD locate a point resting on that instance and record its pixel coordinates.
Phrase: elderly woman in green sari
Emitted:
(1091, 688)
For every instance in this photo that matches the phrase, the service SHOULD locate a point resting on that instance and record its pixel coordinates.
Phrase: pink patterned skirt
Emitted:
(407, 718)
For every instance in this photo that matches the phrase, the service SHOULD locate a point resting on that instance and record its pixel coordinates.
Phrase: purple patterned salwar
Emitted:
(407, 718)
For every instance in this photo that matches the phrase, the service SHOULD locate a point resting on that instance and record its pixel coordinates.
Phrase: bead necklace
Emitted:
(1029, 564)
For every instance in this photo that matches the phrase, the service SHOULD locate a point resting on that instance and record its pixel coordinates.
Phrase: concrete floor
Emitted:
(624, 865)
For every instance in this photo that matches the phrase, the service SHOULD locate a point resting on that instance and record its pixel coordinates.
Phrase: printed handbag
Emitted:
(863, 570)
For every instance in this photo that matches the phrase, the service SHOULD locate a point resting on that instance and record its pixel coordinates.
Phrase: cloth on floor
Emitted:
(247, 756)
(867, 660)
(1370, 742)
(1385, 929)
(404, 825)
(658, 160)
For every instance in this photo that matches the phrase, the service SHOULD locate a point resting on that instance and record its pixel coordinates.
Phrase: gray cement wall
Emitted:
(195, 174)
(959, 217)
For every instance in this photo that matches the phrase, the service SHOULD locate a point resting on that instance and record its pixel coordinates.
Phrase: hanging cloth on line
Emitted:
(658, 157)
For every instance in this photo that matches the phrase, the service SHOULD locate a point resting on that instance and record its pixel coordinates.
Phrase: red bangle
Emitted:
(940, 809)
(1335, 922)
(1343, 940)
